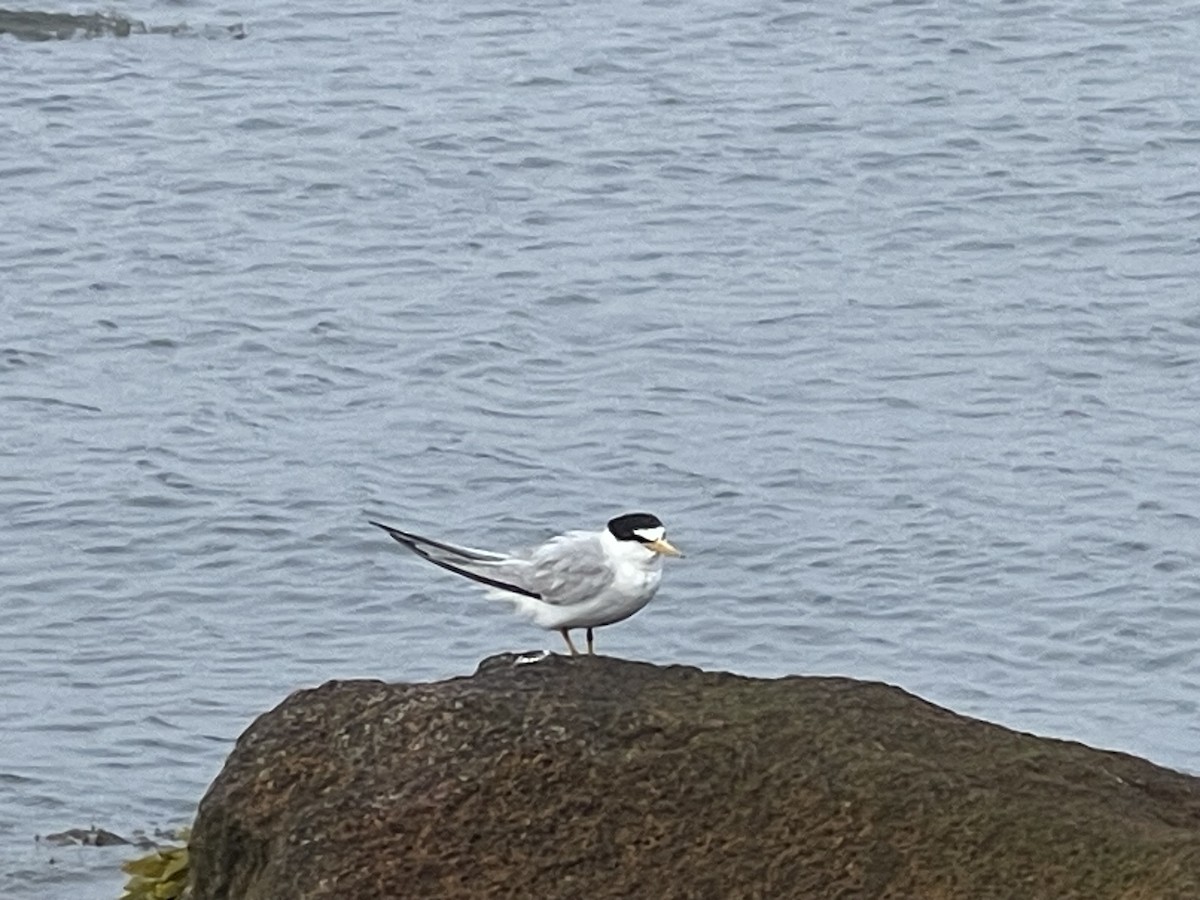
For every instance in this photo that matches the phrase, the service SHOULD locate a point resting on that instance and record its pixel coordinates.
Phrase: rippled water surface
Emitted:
(890, 310)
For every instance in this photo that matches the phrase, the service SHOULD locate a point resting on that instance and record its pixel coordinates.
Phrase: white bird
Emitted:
(581, 579)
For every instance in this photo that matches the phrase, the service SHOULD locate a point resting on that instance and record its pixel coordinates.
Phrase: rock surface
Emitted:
(597, 777)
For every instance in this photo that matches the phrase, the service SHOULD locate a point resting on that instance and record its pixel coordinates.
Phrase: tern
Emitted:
(581, 579)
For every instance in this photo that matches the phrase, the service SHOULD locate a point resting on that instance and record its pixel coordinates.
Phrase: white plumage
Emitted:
(581, 579)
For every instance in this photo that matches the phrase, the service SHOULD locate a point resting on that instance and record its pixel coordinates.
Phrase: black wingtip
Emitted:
(417, 545)
(394, 533)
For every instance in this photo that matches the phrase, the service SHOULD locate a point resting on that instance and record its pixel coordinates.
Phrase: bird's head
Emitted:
(645, 529)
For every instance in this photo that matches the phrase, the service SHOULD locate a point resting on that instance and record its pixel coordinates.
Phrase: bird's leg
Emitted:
(591, 646)
(567, 637)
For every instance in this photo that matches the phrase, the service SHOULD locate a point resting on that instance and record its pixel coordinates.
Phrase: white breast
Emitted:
(636, 576)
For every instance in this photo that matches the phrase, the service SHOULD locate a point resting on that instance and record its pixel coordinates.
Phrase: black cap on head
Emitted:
(623, 528)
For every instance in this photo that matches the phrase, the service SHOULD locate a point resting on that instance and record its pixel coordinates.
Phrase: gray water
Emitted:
(889, 310)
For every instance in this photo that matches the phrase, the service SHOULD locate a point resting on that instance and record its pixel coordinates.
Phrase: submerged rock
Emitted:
(83, 837)
(597, 777)
(34, 25)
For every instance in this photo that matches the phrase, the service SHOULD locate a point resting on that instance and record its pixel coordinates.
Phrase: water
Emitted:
(889, 310)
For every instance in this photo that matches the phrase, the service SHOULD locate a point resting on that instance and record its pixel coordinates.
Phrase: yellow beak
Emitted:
(663, 546)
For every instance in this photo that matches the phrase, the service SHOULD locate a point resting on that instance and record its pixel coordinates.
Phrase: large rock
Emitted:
(597, 777)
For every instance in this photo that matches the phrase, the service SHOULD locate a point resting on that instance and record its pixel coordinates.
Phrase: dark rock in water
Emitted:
(87, 837)
(596, 777)
(31, 25)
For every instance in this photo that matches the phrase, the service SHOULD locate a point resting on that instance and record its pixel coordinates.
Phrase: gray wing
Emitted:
(570, 569)
(495, 570)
